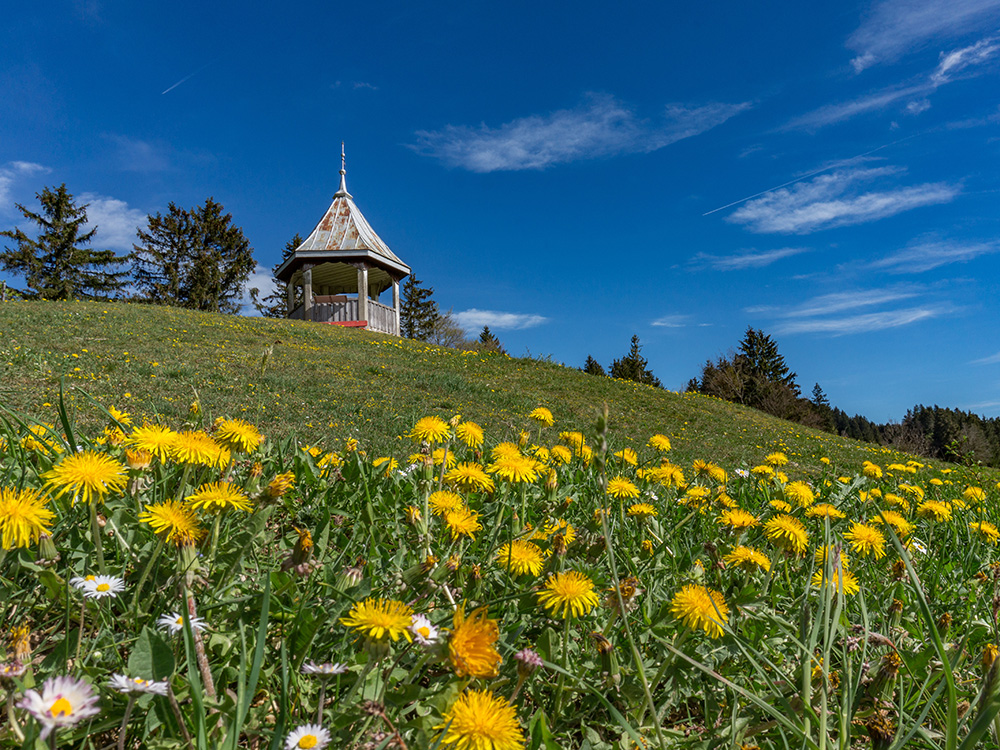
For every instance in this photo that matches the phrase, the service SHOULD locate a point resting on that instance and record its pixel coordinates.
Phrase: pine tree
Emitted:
(593, 367)
(760, 359)
(488, 342)
(56, 265)
(275, 305)
(819, 398)
(418, 313)
(193, 258)
(634, 367)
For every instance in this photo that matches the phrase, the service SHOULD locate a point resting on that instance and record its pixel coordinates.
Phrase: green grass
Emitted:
(326, 383)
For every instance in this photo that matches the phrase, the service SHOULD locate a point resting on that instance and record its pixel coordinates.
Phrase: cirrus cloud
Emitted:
(474, 319)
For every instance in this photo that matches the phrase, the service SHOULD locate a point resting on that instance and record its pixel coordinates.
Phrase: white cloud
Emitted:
(993, 359)
(135, 155)
(925, 256)
(11, 174)
(864, 323)
(474, 320)
(835, 200)
(826, 304)
(895, 27)
(918, 106)
(671, 321)
(602, 126)
(746, 259)
(116, 223)
(364, 85)
(964, 58)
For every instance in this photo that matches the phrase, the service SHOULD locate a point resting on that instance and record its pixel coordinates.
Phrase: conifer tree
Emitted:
(593, 367)
(634, 367)
(759, 357)
(489, 342)
(56, 264)
(275, 305)
(418, 313)
(819, 398)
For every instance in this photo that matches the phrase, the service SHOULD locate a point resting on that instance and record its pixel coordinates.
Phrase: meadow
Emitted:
(458, 551)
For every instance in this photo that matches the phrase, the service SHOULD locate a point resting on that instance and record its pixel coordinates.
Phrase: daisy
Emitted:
(323, 670)
(423, 632)
(124, 684)
(569, 593)
(174, 623)
(63, 702)
(102, 586)
(701, 608)
(308, 736)
(480, 720)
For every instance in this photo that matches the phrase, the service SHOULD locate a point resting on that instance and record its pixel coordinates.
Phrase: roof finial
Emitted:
(343, 174)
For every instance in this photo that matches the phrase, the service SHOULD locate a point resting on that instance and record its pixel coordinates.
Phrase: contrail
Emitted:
(187, 77)
(840, 163)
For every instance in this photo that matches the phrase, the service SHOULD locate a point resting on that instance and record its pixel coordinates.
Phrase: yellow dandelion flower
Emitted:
(843, 581)
(470, 433)
(748, 556)
(824, 510)
(574, 440)
(870, 470)
(917, 493)
(378, 619)
(23, 517)
(174, 521)
(834, 550)
(781, 505)
(199, 449)
(763, 471)
(787, 533)
(628, 456)
(934, 509)
(462, 522)
(443, 501)
(896, 520)
(557, 526)
(986, 530)
(506, 450)
(521, 558)
(622, 489)
(659, 443)
(717, 474)
(515, 469)
(737, 519)
(470, 477)
(974, 495)
(120, 416)
(701, 608)
(219, 496)
(472, 644)
(776, 459)
(86, 476)
(237, 435)
(560, 455)
(480, 720)
(642, 511)
(431, 430)
(281, 484)
(543, 416)
(801, 493)
(571, 593)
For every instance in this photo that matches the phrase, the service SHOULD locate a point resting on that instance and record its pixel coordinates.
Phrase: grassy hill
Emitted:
(325, 383)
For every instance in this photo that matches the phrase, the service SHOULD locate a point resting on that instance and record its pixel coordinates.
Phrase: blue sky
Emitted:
(570, 174)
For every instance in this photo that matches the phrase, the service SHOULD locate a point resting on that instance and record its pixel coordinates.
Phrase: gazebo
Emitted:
(342, 268)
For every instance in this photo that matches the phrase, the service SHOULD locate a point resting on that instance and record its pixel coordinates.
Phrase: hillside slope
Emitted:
(326, 383)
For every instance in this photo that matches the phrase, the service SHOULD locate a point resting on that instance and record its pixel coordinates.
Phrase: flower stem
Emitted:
(145, 573)
(95, 531)
(561, 685)
(199, 644)
(128, 715)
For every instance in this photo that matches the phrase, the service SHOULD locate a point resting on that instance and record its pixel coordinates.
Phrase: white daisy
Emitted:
(63, 702)
(308, 735)
(102, 586)
(423, 632)
(323, 670)
(80, 581)
(124, 684)
(174, 623)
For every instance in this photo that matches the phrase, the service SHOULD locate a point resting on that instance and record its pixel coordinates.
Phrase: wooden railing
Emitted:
(381, 318)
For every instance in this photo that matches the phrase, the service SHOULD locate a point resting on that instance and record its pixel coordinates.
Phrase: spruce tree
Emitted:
(489, 342)
(759, 357)
(56, 265)
(275, 305)
(819, 398)
(634, 367)
(593, 367)
(418, 313)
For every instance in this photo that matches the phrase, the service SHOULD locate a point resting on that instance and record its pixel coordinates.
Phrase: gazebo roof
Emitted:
(343, 235)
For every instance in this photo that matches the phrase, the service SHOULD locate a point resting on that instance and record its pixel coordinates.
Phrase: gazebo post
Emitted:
(362, 292)
(395, 304)
(289, 299)
(307, 294)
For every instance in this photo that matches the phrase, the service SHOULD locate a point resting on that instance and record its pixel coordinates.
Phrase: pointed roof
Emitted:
(343, 234)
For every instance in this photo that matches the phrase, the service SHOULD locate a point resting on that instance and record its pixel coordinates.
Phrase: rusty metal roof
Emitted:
(342, 234)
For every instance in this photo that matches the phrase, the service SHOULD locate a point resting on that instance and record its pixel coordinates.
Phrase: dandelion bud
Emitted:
(888, 669)
(256, 470)
(647, 547)
(523, 438)
(527, 662)
(476, 573)
(280, 485)
(47, 553)
(377, 648)
(351, 576)
(138, 460)
(944, 623)
(559, 544)
(453, 563)
(454, 421)
(428, 564)
(412, 515)
(194, 409)
(898, 570)
(300, 560)
(351, 445)
(880, 730)
(989, 656)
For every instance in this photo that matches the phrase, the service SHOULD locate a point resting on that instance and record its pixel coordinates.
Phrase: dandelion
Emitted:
(701, 608)
(763, 471)
(462, 522)
(219, 496)
(629, 456)
(100, 587)
(443, 501)
(174, 521)
(974, 495)
(870, 470)
(866, 540)
(843, 580)
(788, 534)
(313, 736)
(174, 623)
(471, 647)
(480, 720)
(543, 416)
(153, 439)
(280, 485)
(659, 443)
(197, 448)
(899, 522)
(237, 435)
(470, 433)
(781, 505)
(63, 702)
(801, 493)
(622, 489)
(560, 455)
(746, 557)
(521, 558)
(470, 477)
(430, 430)
(138, 460)
(515, 469)
(831, 550)
(642, 511)
(825, 510)
(986, 531)
(87, 476)
(126, 685)
(737, 518)
(378, 618)
(934, 509)
(776, 459)
(24, 517)
(571, 592)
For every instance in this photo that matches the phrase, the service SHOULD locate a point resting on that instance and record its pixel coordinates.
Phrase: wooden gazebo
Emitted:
(342, 268)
